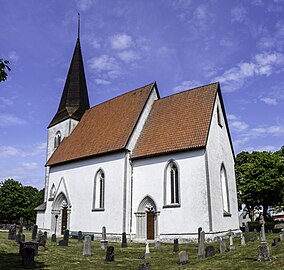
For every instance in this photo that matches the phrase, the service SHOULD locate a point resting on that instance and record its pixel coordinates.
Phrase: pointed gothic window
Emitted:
(52, 193)
(57, 139)
(99, 190)
(225, 192)
(171, 185)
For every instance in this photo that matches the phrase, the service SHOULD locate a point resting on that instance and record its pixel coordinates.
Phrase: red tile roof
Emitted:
(103, 128)
(178, 122)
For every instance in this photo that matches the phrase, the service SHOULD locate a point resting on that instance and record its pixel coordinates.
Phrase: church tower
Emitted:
(74, 102)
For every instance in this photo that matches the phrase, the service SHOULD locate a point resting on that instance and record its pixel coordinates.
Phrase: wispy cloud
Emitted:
(186, 85)
(102, 81)
(238, 14)
(5, 102)
(269, 100)
(261, 148)
(12, 55)
(29, 165)
(38, 149)
(121, 41)
(10, 120)
(236, 124)
(128, 56)
(83, 5)
(262, 64)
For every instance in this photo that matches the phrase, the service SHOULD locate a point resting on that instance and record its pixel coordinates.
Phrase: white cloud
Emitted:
(29, 165)
(10, 120)
(128, 56)
(236, 124)
(269, 100)
(238, 14)
(9, 151)
(262, 148)
(83, 5)
(13, 56)
(103, 62)
(5, 102)
(121, 41)
(38, 149)
(261, 64)
(186, 85)
(101, 81)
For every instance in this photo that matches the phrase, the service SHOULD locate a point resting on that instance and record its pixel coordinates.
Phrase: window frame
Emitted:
(99, 182)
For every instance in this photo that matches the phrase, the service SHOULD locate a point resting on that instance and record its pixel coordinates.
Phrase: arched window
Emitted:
(219, 117)
(57, 139)
(171, 185)
(99, 190)
(52, 192)
(225, 191)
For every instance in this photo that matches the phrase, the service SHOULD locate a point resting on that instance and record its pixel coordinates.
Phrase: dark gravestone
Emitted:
(144, 266)
(28, 257)
(20, 238)
(176, 246)
(275, 242)
(222, 245)
(110, 254)
(12, 232)
(255, 236)
(209, 251)
(42, 240)
(247, 237)
(64, 242)
(124, 240)
(32, 245)
(182, 257)
(199, 231)
(157, 244)
(53, 238)
(80, 236)
(34, 232)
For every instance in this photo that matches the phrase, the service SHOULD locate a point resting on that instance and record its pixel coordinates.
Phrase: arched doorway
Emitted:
(60, 214)
(147, 220)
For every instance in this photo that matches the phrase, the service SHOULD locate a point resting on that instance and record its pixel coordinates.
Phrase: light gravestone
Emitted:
(201, 253)
(157, 244)
(34, 232)
(209, 251)
(247, 237)
(255, 236)
(176, 246)
(281, 236)
(199, 231)
(21, 225)
(147, 251)
(87, 245)
(263, 249)
(110, 254)
(243, 242)
(231, 237)
(182, 257)
(104, 242)
(222, 245)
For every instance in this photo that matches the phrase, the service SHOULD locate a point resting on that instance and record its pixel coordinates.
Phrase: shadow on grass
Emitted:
(14, 261)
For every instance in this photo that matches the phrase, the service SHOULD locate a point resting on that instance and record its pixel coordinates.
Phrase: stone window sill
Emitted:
(174, 205)
(98, 210)
(226, 214)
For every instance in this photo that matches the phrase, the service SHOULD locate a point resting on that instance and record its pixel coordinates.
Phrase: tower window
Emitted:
(57, 139)
(225, 191)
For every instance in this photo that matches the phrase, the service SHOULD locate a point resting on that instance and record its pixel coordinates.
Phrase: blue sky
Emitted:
(126, 44)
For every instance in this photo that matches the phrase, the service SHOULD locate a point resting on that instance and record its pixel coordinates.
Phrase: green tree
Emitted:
(3, 69)
(260, 179)
(13, 201)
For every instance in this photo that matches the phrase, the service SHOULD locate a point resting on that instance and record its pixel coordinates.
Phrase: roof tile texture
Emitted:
(103, 128)
(178, 122)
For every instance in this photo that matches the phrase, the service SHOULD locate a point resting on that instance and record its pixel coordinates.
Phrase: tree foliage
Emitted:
(260, 179)
(3, 69)
(18, 201)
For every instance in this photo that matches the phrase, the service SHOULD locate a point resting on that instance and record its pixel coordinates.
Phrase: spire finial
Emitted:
(78, 25)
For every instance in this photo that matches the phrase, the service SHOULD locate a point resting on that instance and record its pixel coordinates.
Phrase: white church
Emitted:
(154, 168)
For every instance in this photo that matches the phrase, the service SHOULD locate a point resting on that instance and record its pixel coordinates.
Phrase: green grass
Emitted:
(56, 257)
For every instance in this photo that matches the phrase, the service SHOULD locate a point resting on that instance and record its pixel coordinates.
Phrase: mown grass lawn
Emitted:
(56, 257)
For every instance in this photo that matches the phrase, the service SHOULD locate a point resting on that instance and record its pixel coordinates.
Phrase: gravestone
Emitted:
(144, 266)
(182, 257)
(255, 236)
(209, 251)
(176, 246)
(20, 237)
(64, 242)
(157, 244)
(53, 238)
(104, 242)
(80, 236)
(21, 225)
(231, 237)
(243, 242)
(87, 245)
(201, 253)
(222, 245)
(42, 240)
(34, 232)
(12, 232)
(247, 237)
(110, 254)
(281, 236)
(274, 242)
(39, 234)
(147, 252)
(28, 255)
(199, 231)
(32, 245)
(124, 240)
(264, 253)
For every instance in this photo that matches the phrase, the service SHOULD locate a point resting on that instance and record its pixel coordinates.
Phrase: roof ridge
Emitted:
(188, 90)
(126, 93)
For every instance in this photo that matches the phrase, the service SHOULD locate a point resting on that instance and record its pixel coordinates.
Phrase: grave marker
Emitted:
(263, 249)
(104, 242)
(176, 246)
(110, 254)
(182, 257)
(87, 245)
(147, 252)
(209, 251)
(201, 253)
(34, 232)
(222, 245)
(80, 236)
(247, 237)
(124, 240)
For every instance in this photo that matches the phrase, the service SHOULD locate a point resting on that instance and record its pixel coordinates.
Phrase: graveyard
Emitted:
(54, 256)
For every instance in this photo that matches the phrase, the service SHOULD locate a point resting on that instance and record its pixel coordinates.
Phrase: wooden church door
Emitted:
(64, 220)
(150, 225)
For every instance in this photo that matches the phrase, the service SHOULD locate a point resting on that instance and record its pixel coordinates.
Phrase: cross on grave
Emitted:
(263, 249)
